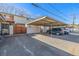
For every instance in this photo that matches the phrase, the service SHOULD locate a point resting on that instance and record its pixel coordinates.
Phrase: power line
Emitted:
(56, 9)
(47, 10)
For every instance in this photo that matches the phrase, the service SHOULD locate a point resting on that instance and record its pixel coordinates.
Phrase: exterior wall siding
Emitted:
(16, 23)
(11, 29)
(33, 29)
(20, 20)
(19, 26)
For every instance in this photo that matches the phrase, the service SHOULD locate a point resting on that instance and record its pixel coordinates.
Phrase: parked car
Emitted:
(67, 30)
(5, 32)
(58, 31)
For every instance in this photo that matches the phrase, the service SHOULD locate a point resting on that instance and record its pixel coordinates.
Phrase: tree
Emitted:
(12, 10)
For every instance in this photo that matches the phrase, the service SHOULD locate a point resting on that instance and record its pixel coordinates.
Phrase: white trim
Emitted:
(36, 20)
(43, 18)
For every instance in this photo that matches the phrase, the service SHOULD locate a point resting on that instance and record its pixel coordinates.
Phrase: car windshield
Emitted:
(56, 29)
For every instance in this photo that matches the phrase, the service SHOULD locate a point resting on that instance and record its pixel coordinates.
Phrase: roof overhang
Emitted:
(46, 21)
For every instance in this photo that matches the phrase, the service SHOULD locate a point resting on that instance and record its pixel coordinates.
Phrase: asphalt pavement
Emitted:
(25, 45)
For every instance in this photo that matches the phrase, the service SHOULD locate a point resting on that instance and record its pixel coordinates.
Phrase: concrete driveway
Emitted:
(68, 43)
(25, 45)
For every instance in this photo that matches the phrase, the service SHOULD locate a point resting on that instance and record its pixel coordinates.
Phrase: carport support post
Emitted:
(51, 29)
(44, 28)
(50, 25)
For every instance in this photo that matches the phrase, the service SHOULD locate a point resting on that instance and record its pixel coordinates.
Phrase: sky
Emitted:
(69, 10)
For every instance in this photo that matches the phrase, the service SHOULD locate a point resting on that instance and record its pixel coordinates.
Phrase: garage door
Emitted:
(19, 28)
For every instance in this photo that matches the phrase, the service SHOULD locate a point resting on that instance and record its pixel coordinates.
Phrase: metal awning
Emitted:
(46, 21)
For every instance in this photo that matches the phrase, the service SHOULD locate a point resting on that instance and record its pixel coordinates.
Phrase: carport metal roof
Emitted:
(46, 21)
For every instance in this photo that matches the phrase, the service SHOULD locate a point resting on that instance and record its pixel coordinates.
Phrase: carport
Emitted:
(43, 23)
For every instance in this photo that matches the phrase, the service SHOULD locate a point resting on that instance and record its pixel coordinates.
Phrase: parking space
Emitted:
(26, 45)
